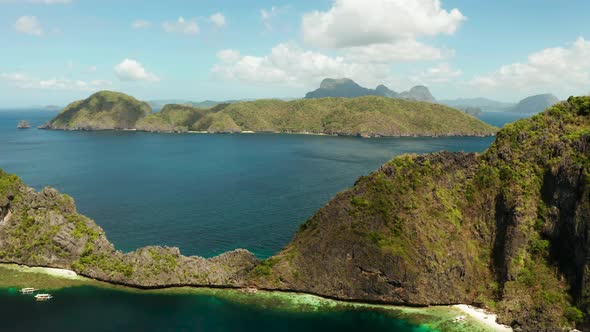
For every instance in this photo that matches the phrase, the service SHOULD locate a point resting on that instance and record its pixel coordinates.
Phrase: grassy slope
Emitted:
(102, 110)
(366, 116)
(172, 118)
(357, 116)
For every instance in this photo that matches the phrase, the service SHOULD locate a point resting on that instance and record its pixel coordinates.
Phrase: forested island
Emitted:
(368, 116)
(505, 230)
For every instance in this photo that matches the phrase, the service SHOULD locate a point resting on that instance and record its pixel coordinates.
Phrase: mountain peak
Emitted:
(347, 88)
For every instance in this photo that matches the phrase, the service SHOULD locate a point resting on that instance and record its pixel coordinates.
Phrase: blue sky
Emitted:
(56, 51)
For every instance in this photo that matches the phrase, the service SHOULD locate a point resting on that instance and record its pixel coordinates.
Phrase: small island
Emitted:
(365, 116)
(23, 124)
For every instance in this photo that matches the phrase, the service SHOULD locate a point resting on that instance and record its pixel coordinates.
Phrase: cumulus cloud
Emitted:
(131, 70)
(228, 56)
(218, 20)
(24, 81)
(560, 70)
(440, 74)
(28, 25)
(182, 26)
(358, 23)
(288, 64)
(266, 15)
(141, 24)
(404, 50)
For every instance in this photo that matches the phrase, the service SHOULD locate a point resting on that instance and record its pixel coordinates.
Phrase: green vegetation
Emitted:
(102, 110)
(172, 118)
(370, 116)
(106, 262)
(498, 228)
(364, 116)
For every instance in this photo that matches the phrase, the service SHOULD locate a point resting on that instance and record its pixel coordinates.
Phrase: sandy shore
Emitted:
(59, 273)
(486, 318)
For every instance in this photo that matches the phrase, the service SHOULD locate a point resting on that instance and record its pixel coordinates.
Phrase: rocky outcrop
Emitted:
(23, 124)
(44, 229)
(506, 229)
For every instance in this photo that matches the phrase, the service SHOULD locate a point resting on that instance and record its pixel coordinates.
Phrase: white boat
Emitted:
(43, 297)
(28, 290)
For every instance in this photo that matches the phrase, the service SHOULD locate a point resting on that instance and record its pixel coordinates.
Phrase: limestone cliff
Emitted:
(44, 229)
(507, 229)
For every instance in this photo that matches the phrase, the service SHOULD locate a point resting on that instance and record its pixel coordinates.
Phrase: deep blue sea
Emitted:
(205, 194)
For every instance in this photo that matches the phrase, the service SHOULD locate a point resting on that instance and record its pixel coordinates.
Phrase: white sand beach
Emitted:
(486, 318)
(60, 273)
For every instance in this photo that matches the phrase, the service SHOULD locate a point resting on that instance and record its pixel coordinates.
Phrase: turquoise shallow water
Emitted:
(91, 309)
(203, 193)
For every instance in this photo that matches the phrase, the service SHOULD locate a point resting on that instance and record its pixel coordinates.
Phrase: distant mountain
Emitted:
(482, 103)
(159, 104)
(342, 87)
(418, 93)
(535, 104)
(347, 88)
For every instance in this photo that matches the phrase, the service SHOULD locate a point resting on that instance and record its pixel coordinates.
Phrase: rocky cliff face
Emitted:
(44, 229)
(507, 230)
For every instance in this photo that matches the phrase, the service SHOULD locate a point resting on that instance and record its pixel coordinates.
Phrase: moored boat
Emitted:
(28, 290)
(43, 297)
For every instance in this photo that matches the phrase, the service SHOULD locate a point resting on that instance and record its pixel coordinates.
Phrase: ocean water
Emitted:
(205, 194)
(92, 309)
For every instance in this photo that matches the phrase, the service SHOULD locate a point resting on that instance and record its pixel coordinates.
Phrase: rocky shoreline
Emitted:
(450, 316)
(47, 127)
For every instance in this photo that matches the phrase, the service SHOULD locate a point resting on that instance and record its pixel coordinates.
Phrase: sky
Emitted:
(55, 51)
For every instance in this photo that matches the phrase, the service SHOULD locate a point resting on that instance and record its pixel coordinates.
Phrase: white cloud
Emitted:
(131, 70)
(24, 81)
(228, 56)
(182, 26)
(141, 24)
(563, 70)
(358, 23)
(442, 73)
(29, 25)
(218, 20)
(289, 65)
(266, 15)
(404, 50)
